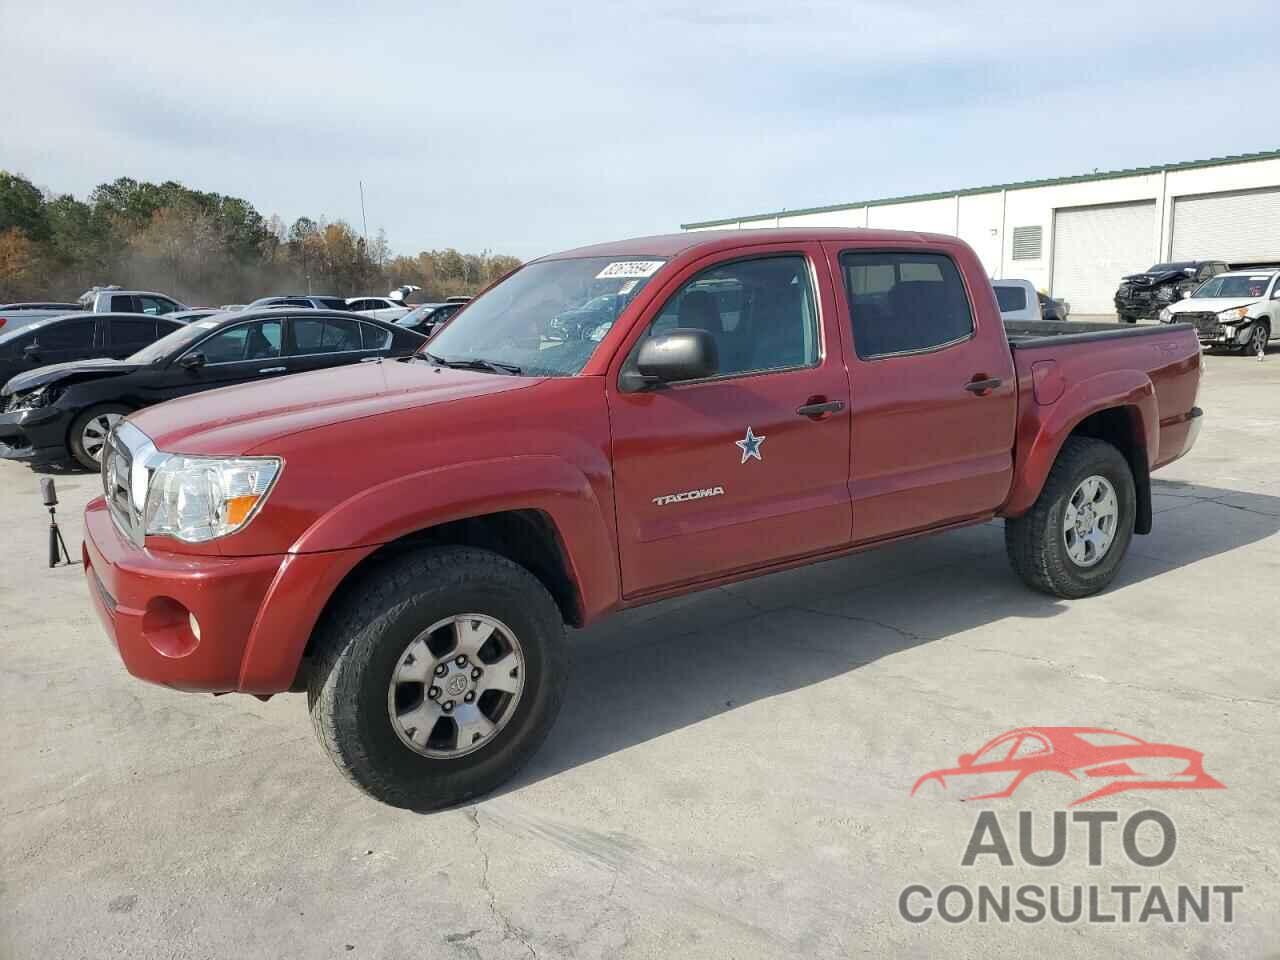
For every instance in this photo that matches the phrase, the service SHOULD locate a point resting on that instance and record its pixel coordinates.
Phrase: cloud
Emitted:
(525, 128)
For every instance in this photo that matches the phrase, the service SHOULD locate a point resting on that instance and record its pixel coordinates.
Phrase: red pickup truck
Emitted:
(406, 540)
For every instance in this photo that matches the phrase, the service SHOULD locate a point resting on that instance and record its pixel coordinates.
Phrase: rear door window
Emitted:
(375, 338)
(124, 303)
(130, 332)
(905, 302)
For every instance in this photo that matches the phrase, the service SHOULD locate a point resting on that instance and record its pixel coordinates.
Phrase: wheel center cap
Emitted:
(457, 684)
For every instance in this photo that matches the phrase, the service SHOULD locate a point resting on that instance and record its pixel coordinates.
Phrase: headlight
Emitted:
(1166, 315)
(39, 397)
(203, 498)
(1232, 315)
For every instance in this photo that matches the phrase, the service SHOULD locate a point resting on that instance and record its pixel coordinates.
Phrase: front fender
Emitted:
(1042, 430)
(336, 543)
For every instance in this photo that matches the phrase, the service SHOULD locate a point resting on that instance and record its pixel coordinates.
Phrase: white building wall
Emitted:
(1236, 176)
(982, 227)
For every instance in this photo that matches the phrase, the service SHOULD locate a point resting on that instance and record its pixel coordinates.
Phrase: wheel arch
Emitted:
(1119, 408)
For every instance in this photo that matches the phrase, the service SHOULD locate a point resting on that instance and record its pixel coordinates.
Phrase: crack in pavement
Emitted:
(510, 931)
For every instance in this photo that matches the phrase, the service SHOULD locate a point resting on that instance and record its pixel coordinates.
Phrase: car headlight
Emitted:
(1166, 315)
(202, 498)
(39, 397)
(1233, 315)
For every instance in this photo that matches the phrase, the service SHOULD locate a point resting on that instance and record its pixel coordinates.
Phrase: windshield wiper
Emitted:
(474, 363)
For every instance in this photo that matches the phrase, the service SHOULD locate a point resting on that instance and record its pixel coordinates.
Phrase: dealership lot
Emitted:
(730, 776)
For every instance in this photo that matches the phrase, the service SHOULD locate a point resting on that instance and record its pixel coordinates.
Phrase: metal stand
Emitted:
(58, 552)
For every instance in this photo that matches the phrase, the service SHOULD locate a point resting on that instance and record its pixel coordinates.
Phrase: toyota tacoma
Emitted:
(405, 540)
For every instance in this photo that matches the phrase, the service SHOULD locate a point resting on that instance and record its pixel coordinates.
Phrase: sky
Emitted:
(523, 128)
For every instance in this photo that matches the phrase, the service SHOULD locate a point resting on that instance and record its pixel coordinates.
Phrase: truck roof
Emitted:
(707, 241)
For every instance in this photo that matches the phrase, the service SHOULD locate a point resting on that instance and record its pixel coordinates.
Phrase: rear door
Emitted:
(745, 468)
(934, 391)
(319, 342)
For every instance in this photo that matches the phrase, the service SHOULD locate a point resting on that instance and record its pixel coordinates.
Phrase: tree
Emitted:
(22, 207)
(19, 261)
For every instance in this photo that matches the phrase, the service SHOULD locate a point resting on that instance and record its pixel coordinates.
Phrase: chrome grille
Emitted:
(127, 462)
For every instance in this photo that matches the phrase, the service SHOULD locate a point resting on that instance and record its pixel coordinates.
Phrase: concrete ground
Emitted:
(730, 777)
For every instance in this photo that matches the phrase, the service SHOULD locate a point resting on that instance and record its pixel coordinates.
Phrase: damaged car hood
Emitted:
(73, 370)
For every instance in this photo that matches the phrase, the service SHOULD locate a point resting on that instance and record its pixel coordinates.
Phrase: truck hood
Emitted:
(71, 371)
(242, 419)
(1209, 304)
(1154, 279)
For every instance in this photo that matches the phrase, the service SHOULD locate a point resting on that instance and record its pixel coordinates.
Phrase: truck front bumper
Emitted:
(178, 620)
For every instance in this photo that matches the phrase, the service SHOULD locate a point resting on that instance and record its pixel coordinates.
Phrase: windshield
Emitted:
(1170, 267)
(169, 344)
(548, 317)
(1252, 287)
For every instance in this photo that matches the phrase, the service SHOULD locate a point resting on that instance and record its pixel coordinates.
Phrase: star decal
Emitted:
(750, 446)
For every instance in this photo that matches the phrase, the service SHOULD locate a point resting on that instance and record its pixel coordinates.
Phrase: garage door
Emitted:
(1238, 227)
(1093, 247)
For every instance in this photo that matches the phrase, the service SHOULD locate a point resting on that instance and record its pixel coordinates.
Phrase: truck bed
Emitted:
(1032, 333)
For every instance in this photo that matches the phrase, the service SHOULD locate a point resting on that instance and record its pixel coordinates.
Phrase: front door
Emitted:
(235, 354)
(749, 467)
(934, 392)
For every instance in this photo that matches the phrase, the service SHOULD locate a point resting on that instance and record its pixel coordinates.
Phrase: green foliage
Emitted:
(205, 248)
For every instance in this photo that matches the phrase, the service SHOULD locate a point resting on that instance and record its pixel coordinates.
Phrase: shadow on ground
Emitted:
(657, 669)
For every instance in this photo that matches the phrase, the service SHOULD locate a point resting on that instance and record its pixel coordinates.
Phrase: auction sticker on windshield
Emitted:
(621, 269)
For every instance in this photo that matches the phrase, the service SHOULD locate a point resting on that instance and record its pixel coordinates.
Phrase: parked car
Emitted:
(1052, 308)
(65, 337)
(305, 301)
(113, 299)
(1143, 295)
(64, 412)
(56, 306)
(426, 317)
(1240, 309)
(407, 540)
(1017, 299)
(383, 308)
(190, 316)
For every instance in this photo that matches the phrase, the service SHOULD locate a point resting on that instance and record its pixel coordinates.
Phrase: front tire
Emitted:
(89, 433)
(1071, 542)
(437, 676)
(1259, 337)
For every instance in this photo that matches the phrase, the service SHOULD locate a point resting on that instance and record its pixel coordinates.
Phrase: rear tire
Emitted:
(89, 433)
(368, 638)
(1041, 550)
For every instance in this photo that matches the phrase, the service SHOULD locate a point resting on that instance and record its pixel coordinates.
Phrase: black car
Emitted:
(41, 305)
(59, 337)
(425, 317)
(1052, 308)
(64, 412)
(305, 301)
(1146, 294)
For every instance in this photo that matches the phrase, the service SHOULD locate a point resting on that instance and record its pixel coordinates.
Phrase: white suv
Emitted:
(1236, 309)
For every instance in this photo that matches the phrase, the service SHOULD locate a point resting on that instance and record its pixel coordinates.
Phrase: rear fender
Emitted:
(336, 543)
(1044, 429)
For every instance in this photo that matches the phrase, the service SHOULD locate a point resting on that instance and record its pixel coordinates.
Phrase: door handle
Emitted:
(980, 387)
(819, 409)
(274, 370)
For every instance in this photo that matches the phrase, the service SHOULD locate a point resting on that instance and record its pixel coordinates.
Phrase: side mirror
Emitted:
(966, 759)
(682, 354)
(32, 351)
(1186, 294)
(1189, 271)
(192, 361)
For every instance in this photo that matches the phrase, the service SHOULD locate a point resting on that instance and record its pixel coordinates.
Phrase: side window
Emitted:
(127, 332)
(307, 334)
(998, 752)
(294, 303)
(904, 302)
(1206, 272)
(124, 303)
(246, 341)
(157, 306)
(375, 338)
(761, 313)
(340, 336)
(1275, 290)
(1011, 298)
(70, 335)
(1028, 747)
